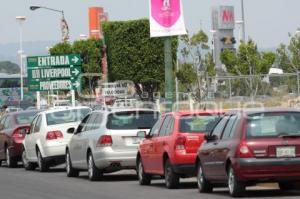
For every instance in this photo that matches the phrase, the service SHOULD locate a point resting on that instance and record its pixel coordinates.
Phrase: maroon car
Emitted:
(13, 128)
(251, 146)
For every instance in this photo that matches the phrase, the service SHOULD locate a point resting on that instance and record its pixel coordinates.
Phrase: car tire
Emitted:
(28, 166)
(204, 186)
(236, 189)
(71, 172)
(171, 178)
(42, 164)
(286, 186)
(93, 172)
(144, 178)
(10, 161)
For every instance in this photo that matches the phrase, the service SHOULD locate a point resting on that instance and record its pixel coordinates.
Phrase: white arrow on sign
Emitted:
(75, 59)
(76, 72)
(76, 84)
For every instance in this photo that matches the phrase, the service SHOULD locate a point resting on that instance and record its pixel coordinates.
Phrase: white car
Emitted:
(106, 141)
(45, 143)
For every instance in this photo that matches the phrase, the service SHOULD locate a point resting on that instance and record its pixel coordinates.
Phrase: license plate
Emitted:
(286, 151)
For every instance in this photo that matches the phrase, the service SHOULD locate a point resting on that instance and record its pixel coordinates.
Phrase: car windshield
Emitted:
(67, 116)
(198, 123)
(273, 125)
(132, 120)
(25, 118)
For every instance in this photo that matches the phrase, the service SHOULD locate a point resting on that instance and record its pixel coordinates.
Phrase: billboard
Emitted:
(96, 17)
(166, 18)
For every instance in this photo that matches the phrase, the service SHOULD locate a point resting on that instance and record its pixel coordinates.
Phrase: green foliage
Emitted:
(187, 75)
(9, 67)
(247, 60)
(288, 56)
(91, 53)
(133, 55)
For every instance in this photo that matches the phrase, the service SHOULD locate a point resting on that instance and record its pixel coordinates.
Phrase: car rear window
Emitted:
(67, 116)
(25, 118)
(198, 123)
(131, 120)
(273, 124)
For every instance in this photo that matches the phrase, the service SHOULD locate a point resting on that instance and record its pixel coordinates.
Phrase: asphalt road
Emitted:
(20, 184)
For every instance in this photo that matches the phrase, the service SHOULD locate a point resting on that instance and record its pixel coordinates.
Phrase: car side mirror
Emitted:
(141, 134)
(71, 130)
(210, 138)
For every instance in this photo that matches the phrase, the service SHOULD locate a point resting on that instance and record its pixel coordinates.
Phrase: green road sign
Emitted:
(54, 85)
(53, 61)
(51, 73)
(60, 72)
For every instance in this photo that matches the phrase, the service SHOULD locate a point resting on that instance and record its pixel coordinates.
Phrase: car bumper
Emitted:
(54, 149)
(268, 169)
(186, 169)
(107, 159)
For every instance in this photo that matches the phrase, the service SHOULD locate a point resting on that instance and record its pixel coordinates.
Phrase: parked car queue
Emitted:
(235, 149)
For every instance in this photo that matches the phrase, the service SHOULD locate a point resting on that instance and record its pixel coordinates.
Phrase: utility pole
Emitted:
(243, 24)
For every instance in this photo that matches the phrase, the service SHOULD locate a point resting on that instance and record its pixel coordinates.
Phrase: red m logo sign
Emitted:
(227, 16)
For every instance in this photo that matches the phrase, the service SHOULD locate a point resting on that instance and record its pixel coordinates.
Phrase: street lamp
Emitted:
(64, 26)
(20, 20)
(214, 32)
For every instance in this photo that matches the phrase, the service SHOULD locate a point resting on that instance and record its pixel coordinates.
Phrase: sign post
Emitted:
(48, 73)
(166, 20)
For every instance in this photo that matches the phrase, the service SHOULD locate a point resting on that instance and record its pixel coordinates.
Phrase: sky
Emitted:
(268, 22)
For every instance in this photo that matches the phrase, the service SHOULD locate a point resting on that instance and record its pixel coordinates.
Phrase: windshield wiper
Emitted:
(286, 135)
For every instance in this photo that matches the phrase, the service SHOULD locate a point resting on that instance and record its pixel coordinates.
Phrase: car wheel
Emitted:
(236, 189)
(204, 185)
(93, 172)
(286, 186)
(29, 166)
(144, 178)
(71, 172)
(10, 162)
(171, 178)
(43, 167)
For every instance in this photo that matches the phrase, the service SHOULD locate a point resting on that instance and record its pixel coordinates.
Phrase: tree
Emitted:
(196, 53)
(247, 61)
(288, 55)
(133, 55)
(187, 76)
(9, 67)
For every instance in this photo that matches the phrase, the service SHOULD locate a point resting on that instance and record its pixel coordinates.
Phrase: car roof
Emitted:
(195, 112)
(249, 111)
(20, 112)
(64, 108)
(115, 110)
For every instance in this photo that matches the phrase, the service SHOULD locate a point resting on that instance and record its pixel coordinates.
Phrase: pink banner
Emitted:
(166, 12)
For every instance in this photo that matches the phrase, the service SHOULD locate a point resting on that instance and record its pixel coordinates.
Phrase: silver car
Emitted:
(106, 141)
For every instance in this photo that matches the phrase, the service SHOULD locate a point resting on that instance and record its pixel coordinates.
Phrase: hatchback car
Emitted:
(46, 141)
(251, 146)
(170, 150)
(13, 128)
(106, 141)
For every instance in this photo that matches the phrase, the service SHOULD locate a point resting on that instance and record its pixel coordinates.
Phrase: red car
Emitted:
(171, 147)
(251, 146)
(13, 128)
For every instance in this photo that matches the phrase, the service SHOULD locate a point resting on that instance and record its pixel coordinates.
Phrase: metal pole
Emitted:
(38, 100)
(243, 19)
(73, 97)
(169, 82)
(21, 61)
(298, 86)
(176, 83)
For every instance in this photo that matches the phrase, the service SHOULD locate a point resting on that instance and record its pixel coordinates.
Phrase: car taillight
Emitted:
(19, 133)
(180, 143)
(243, 151)
(104, 140)
(52, 135)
